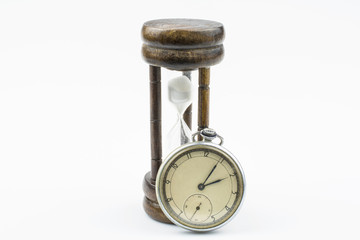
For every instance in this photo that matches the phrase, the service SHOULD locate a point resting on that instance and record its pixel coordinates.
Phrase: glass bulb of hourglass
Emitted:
(179, 93)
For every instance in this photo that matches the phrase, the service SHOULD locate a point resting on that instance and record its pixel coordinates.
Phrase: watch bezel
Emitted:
(171, 157)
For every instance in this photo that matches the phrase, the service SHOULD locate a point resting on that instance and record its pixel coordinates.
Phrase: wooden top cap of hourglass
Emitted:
(182, 44)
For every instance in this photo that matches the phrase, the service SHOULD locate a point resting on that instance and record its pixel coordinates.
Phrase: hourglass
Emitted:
(179, 94)
(180, 45)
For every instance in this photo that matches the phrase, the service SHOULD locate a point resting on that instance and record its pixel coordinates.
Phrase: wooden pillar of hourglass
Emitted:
(182, 45)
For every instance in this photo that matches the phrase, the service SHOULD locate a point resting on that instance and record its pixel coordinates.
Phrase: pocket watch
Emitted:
(200, 185)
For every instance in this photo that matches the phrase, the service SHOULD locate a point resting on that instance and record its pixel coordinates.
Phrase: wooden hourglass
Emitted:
(181, 45)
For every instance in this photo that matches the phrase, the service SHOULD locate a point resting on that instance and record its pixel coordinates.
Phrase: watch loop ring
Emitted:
(208, 135)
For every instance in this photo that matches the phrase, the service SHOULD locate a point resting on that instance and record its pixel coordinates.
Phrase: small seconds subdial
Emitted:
(197, 208)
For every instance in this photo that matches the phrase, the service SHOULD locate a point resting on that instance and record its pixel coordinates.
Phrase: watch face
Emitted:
(200, 186)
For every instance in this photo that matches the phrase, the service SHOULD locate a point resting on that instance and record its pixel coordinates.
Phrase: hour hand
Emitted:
(202, 186)
(219, 180)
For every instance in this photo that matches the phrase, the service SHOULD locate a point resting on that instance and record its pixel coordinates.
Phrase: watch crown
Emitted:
(208, 134)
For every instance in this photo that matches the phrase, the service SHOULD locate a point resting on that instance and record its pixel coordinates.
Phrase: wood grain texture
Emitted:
(183, 59)
(155, 119)
(204, 98)
(149, 187)
(182, 44)
(150, 204)
(180, 33)
(154, 211)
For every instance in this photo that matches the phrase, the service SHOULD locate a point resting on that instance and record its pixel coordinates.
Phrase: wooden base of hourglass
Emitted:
(150, 203)
(182, 45)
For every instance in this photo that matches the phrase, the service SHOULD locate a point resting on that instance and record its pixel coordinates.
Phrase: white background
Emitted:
(74, 117)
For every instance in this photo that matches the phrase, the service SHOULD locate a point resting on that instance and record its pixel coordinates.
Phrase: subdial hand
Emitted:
(197, 209)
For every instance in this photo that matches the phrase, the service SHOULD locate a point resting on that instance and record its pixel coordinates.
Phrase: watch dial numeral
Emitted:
(169, 199)
(174, 165)
(235, 193)
(233, 175)
(227, 208)
(221, 160)
(188, 155)
(206, 153)
(213, 218)
(167, 181)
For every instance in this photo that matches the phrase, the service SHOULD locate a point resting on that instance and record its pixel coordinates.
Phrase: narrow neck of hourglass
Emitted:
(181, 108)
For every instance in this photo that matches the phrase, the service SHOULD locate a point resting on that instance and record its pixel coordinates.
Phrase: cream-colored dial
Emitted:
(200, 186)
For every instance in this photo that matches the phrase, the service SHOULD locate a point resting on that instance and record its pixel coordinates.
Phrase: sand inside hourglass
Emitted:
(180, 95)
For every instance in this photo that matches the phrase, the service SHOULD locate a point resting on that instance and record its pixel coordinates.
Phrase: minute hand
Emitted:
(209, 174)
(219, 180)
